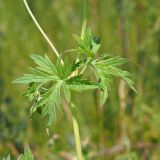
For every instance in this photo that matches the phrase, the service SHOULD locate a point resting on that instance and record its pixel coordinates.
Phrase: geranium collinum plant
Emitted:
(49, 81)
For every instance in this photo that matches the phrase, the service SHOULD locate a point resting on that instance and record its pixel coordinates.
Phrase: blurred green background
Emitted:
(128, 127)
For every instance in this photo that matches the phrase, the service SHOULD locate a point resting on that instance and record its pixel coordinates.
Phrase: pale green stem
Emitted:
(84, 68)
(77, 138)
(76, 135)
(84, 24)
(41, 30)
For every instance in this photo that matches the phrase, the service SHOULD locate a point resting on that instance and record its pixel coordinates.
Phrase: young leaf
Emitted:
(27, 154)
(88, 44)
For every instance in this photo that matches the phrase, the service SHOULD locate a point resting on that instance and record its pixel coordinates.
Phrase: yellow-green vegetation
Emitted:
(127, 126)
(27, 155)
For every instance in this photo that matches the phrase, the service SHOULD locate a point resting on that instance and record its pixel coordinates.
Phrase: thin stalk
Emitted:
(41, 30)
(77, 138)
(84, 26)
(76, 133)
(84, 23)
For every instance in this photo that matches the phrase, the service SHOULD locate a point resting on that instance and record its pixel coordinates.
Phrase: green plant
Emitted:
(26, 156)
(49, 82)
(127, 156)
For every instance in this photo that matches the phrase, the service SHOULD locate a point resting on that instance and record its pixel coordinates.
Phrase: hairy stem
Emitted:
(41, 30)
